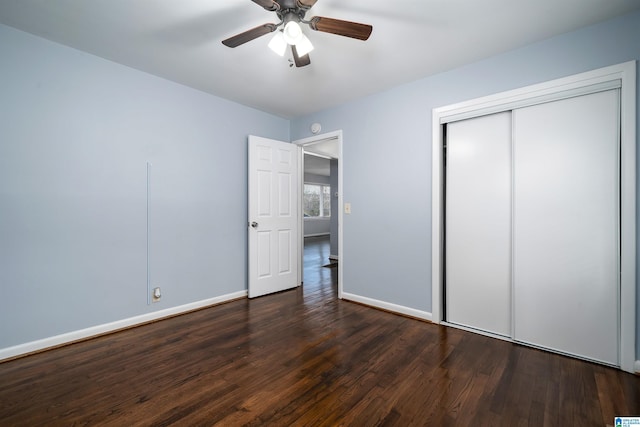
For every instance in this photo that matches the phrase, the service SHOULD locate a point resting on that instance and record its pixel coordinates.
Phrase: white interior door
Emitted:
(273, 218)
(566, 234)
(478, 223)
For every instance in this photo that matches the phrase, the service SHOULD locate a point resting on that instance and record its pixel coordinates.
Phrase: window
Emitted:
(317, 201)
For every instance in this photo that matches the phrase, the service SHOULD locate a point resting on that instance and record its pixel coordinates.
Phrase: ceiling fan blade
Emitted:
(267, 4)
(341, 28)
(301, 61)
(306, 4)
(249, 35)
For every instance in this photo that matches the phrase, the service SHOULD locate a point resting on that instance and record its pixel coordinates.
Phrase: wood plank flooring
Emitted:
(305, 358)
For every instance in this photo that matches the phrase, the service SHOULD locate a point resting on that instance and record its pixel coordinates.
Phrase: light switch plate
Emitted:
(347, 208)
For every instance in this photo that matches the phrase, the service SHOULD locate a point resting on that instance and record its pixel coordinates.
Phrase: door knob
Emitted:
(254, 224)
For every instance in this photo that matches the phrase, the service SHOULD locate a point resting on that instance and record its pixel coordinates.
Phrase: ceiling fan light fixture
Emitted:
(291, 14)
(304, 46)
(292, 32)
(278, 44)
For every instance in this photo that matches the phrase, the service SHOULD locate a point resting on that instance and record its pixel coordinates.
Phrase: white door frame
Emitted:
(622, 74)
(337, 136)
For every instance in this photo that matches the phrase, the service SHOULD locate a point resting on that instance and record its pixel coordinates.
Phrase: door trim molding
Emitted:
(589, 81)
(337, 136)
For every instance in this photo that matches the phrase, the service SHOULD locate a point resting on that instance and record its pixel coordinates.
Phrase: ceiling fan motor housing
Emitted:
(290, 10)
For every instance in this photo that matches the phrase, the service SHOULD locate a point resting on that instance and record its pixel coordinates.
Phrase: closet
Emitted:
(531, 223)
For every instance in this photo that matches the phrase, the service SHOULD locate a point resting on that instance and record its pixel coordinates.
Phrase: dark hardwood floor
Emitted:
(302, 357)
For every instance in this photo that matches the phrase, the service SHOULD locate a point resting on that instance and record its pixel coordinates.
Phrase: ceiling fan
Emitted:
(291, 14)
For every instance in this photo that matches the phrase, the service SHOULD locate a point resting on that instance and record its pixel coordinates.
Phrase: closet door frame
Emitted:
(622, 76)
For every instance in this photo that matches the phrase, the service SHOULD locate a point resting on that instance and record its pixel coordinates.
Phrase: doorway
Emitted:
(322, 261)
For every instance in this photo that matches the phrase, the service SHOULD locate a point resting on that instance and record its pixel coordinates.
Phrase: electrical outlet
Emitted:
(157, 294)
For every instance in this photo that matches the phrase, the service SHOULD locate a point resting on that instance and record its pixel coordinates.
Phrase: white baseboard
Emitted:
(69, 337)
(636, 367)
(407, 311)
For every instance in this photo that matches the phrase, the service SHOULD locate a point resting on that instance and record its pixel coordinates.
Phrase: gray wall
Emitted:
(312, 178)
(316, 227)
(76, 133)
(388, 235)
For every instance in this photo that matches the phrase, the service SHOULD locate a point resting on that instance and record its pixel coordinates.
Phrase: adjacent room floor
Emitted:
(319, 270)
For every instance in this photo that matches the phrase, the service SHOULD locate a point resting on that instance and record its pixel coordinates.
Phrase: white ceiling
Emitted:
(180, 40)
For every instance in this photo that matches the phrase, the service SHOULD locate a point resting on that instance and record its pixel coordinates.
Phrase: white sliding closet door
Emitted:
(478, 223)
(566, 225)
